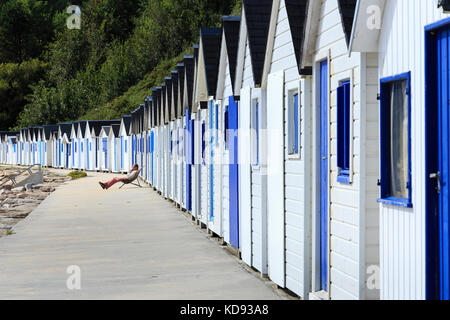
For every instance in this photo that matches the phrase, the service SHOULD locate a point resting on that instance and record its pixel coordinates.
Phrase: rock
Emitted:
(7, 187)
(22, 195)
(48, 189)
(19, 189)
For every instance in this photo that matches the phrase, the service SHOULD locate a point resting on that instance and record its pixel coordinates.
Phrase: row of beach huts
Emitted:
(311, 136)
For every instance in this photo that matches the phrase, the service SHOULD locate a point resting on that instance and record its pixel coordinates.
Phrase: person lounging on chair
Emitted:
(129, 179)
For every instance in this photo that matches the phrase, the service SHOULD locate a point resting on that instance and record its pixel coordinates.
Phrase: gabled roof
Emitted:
(127, 123)
(188, 86)
(66, 129)
(115, 130)
(231, 28)
(257, 18)
(347, 10)
(210, 38)
(180, 89)
(168, 100)
(162, 102)
(297, 11)
(137, 121)
(97, 125)
(48, 129)
(174, 96)
(83, 125)
(106, 129)
(365, 39)
(155, 107)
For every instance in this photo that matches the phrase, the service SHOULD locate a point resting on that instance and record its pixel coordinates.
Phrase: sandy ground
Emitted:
(17, 203)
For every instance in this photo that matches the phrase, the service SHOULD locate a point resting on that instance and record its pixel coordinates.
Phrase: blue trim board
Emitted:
(324, 175)
(437, 262)
(211, 165)
(234, 173)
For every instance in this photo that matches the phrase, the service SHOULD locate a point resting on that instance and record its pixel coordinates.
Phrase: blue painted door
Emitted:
(211, 165)
(121, 152)
(443, 47)
(67, 155)
(234, 172)
(324, 175)
(152, 151)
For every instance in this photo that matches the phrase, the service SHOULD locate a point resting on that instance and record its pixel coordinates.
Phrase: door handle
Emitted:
(437, 176)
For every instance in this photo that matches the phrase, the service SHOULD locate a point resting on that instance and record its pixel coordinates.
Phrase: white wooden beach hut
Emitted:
(64, 132)
(125, 144)
(168, 143)
(186, 101)
(114, 148)
(74, 146)
(48, 144)
(82, 146)
(90, 153)
(279, 156)
(150, 138)
(177, 121)
(343, 167)
(205, 91)
(248, 190)
(12, 148)
(407, 42)
(146, 131)
(3, 146)
(181, 136)
(54, 143)
(224, 97)
(104, 148)
(158, 156)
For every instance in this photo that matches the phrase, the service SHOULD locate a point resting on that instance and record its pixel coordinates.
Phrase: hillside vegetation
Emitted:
(51, 74)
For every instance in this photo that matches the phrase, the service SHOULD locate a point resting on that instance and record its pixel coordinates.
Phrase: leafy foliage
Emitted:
(106, 68)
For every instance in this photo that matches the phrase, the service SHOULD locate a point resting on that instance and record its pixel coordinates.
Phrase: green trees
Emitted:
(113, 54)
(15, 80)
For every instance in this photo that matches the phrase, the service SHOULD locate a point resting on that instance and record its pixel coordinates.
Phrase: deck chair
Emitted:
(138, 184)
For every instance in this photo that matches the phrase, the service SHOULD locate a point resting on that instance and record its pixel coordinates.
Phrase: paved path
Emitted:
(129, 244)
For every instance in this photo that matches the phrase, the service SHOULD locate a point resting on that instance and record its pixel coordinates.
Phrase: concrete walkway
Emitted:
(128, 244)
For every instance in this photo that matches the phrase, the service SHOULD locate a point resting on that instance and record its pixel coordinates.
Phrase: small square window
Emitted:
(343, 131)
(396, 188)
(293, 124)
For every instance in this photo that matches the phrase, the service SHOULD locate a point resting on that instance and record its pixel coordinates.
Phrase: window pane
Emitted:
(399, 140)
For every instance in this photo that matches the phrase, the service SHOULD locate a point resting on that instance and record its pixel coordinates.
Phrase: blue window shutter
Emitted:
(203, 140)
(126, 146)
(343, 127)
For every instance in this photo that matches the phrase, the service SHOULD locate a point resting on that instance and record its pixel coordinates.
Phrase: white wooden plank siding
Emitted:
(228, 91)
(346, 263)
(402, 234)
(283, 59)
(204, 170)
